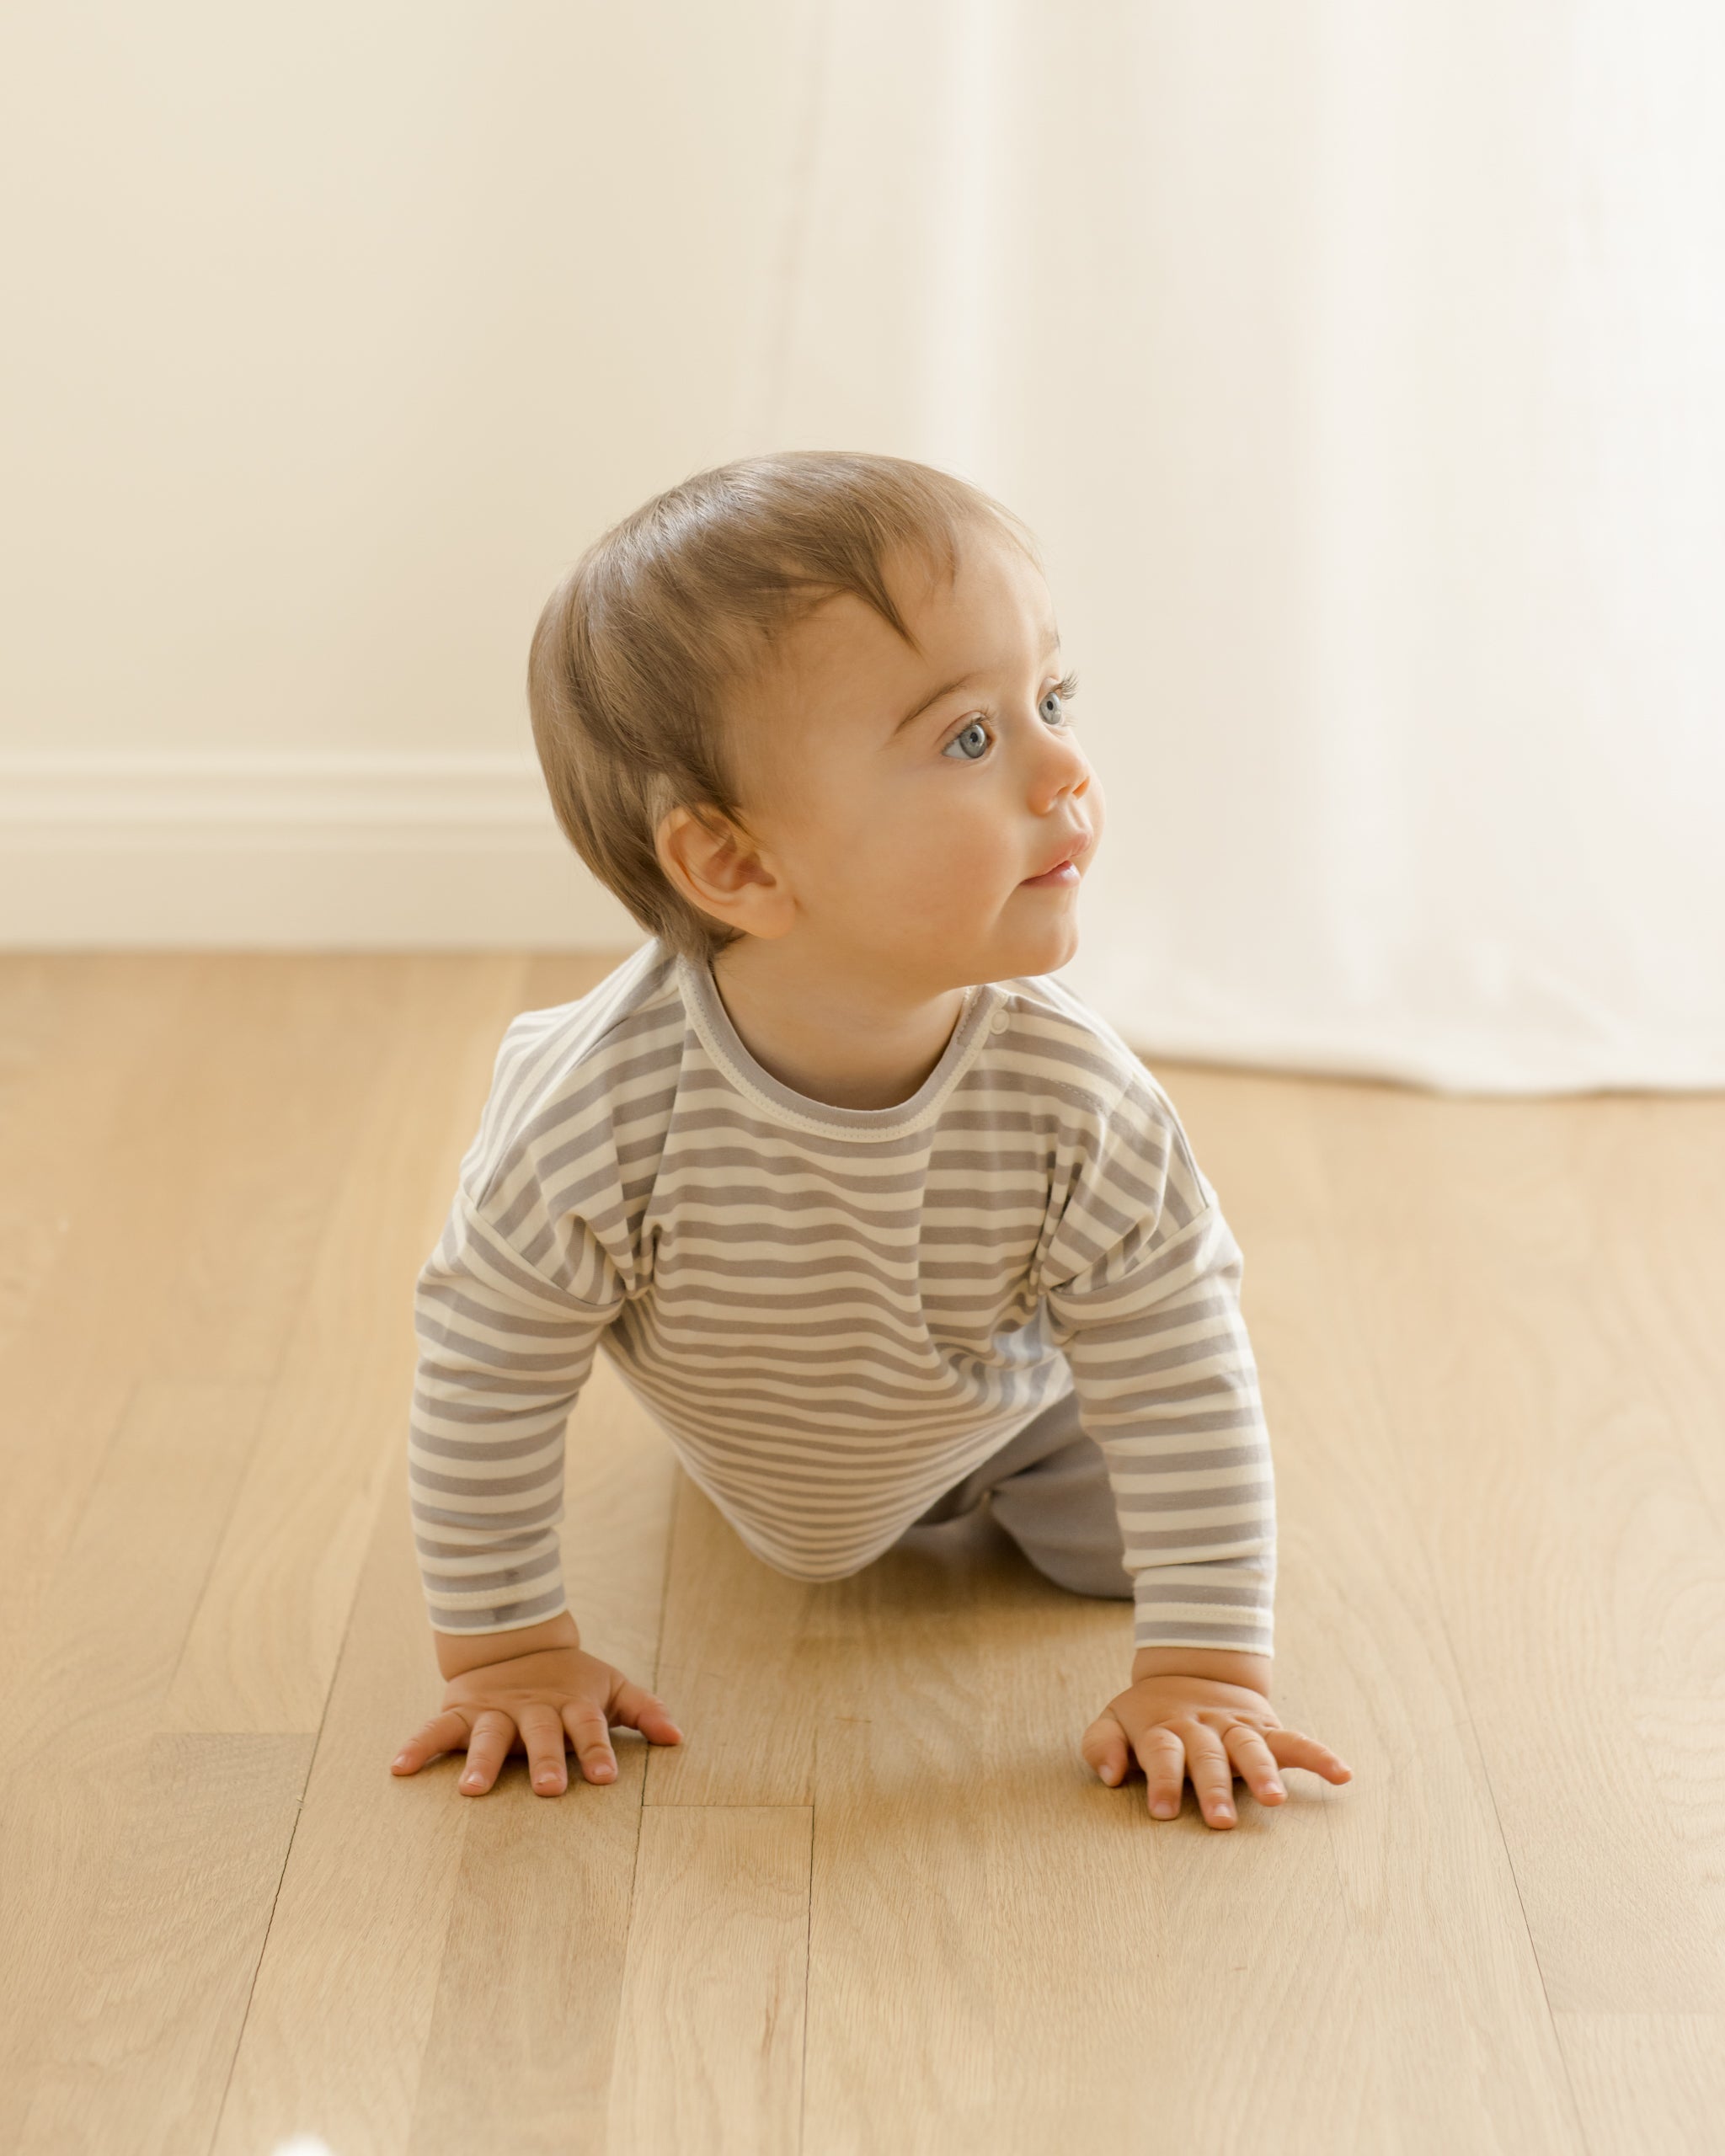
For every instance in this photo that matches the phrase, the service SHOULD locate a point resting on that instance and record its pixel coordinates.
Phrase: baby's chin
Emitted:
(1028, 932)
(1041, 948)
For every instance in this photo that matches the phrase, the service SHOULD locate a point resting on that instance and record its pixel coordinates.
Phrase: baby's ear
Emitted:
(717, 867)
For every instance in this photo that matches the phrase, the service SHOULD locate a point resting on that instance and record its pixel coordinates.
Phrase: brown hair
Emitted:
(637, 648)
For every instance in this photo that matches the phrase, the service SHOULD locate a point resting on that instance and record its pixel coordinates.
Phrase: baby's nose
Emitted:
(1065, 773)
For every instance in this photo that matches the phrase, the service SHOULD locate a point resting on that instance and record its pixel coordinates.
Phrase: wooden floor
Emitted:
(876, 1903)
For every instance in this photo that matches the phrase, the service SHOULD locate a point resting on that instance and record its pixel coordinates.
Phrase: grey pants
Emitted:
(1048, 1489)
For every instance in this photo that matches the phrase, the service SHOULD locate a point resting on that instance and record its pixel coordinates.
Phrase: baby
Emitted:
(875, 1216)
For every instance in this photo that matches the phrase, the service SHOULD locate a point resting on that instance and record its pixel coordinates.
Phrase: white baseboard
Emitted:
(320, 852)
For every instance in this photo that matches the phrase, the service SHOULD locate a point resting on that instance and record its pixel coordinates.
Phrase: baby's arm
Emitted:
(1143, 1281)
(527, 1690)
(509, 1311)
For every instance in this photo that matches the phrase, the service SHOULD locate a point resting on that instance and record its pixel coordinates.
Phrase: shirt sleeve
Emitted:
(1142, 1280)
(508, 1312)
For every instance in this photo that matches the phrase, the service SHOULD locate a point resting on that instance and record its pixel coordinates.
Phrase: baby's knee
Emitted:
(1099, 1574)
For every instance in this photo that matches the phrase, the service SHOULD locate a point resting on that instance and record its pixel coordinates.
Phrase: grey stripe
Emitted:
(444, 1552)
(1151, 1592)
(504, 1617)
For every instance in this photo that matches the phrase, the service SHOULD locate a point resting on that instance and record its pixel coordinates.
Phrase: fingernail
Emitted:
(1275, 1788)
(1163, 1808)
(399, 1760)
(470, 1781)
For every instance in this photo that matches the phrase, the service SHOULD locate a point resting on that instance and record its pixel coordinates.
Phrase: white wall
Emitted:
(333, 334)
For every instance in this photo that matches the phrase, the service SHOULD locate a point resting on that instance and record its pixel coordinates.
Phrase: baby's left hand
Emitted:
(1175, 1724)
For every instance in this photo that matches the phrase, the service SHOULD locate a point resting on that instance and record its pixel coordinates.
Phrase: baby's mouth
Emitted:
(1063, 872)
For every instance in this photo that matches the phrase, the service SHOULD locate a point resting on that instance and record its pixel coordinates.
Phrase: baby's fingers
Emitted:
(590, 1735)
(1162, 1757)
(636, 1709)
(1254, 1763)
(494, 1732)
(1291, 1749)
(443, 1733)
(1105, 1750)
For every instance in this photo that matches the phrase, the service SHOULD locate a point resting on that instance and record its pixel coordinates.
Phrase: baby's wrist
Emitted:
(1219, 1665)
(457, 1652)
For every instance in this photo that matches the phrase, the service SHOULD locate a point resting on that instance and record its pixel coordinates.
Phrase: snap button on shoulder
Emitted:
(1000, 1022)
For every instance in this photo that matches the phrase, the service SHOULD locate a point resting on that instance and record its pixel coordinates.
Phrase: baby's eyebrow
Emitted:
(947, 689)
(951, 688)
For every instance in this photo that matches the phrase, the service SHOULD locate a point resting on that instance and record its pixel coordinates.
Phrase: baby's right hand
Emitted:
(527, 1703)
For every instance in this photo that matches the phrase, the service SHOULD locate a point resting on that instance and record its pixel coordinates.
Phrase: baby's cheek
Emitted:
(937, 856)
(922, 866)
(967, 873)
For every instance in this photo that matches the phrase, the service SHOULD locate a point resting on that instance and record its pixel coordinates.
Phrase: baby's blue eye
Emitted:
(1052, 708)
(970, 742)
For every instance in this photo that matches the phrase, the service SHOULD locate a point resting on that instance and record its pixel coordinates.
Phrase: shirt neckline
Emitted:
(723, 1044)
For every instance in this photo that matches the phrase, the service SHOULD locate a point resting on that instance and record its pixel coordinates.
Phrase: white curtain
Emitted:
(1363, 369)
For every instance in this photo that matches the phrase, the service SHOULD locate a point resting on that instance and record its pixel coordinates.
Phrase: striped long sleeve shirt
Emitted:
(836, 1314)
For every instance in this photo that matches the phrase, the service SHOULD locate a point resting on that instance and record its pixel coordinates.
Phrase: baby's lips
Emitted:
(1076, 848)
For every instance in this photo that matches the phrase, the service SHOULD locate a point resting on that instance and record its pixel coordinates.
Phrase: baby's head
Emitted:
(819, 695)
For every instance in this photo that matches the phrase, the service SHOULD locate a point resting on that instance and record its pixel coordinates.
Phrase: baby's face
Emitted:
(930, 809)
